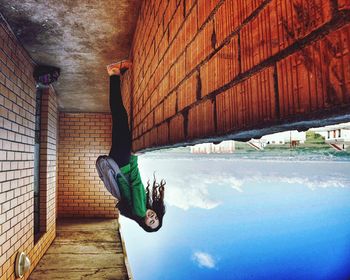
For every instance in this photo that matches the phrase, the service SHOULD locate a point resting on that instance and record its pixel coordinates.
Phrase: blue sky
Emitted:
(231, 218)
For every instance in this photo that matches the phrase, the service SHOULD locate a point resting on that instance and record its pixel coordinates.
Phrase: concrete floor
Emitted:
(84, 248)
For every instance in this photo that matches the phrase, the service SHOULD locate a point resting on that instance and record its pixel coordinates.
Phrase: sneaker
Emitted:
(46, 75)
(119, 67)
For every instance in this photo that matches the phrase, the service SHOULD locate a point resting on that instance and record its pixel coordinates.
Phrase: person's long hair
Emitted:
(154, 201)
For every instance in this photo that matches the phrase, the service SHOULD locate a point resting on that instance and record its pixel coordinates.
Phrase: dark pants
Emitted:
(121, 136)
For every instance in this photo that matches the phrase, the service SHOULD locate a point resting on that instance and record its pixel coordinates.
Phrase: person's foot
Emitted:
(119, 67)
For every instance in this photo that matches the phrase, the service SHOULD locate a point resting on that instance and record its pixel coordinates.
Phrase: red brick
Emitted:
(163, 88)
(149, 49)
(150, 121)
(343, 4)
(178, 45)
(221, 68)
(147, 106)
(159, 113)
(190, 27)
(140, 129)
(158, 37)
(153, 137)
(201, 120)
(226, 20)
(143, 126)
(136, 131)
(187, 92)
(292, 85)
(154, 99)
(248, 103)
(176, 128)
(316, 77)
(152, 82)
(160, 13)
(162, 134)
(200, 48)
(188, 5)
(156, 6)
(298, 18)
(138, 144)
(146, 138)
(278, 25)
(90, 138)
(177, 72)
(205, 7)
(169, 12)
(176, 22)
(247, 7)
(3, 57)
(173, 52)
(170, 105)
(18, 104)
(157, 75)
(163, 45)
(153, 27)
(4, 33)
(259, 37)
(270, 26)
(230, 16)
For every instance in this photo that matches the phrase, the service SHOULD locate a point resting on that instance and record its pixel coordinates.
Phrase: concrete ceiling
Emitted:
(81, 38)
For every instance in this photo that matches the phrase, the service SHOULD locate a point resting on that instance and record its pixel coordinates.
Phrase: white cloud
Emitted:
(203, 259)
(311, 183)
(192, 191)
(195, 184)
(185, 196)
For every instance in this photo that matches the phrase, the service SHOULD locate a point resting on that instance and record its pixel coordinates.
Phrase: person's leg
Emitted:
(121, 136)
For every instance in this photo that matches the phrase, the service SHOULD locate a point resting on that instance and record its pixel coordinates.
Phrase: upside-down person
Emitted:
(146, 207)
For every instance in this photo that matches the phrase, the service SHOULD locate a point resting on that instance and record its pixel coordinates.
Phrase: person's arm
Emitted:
(124, 186)
(137, 189)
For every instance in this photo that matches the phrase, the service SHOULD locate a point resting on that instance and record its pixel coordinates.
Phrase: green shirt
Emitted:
(134, 193)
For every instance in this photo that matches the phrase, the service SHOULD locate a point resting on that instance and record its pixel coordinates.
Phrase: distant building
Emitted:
(284, 137)
(337, 136)
(208, 148)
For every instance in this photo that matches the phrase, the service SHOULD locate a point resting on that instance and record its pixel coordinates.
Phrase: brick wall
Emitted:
(48, 160)
(17, 124)
(210, 69)
(82, 138)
